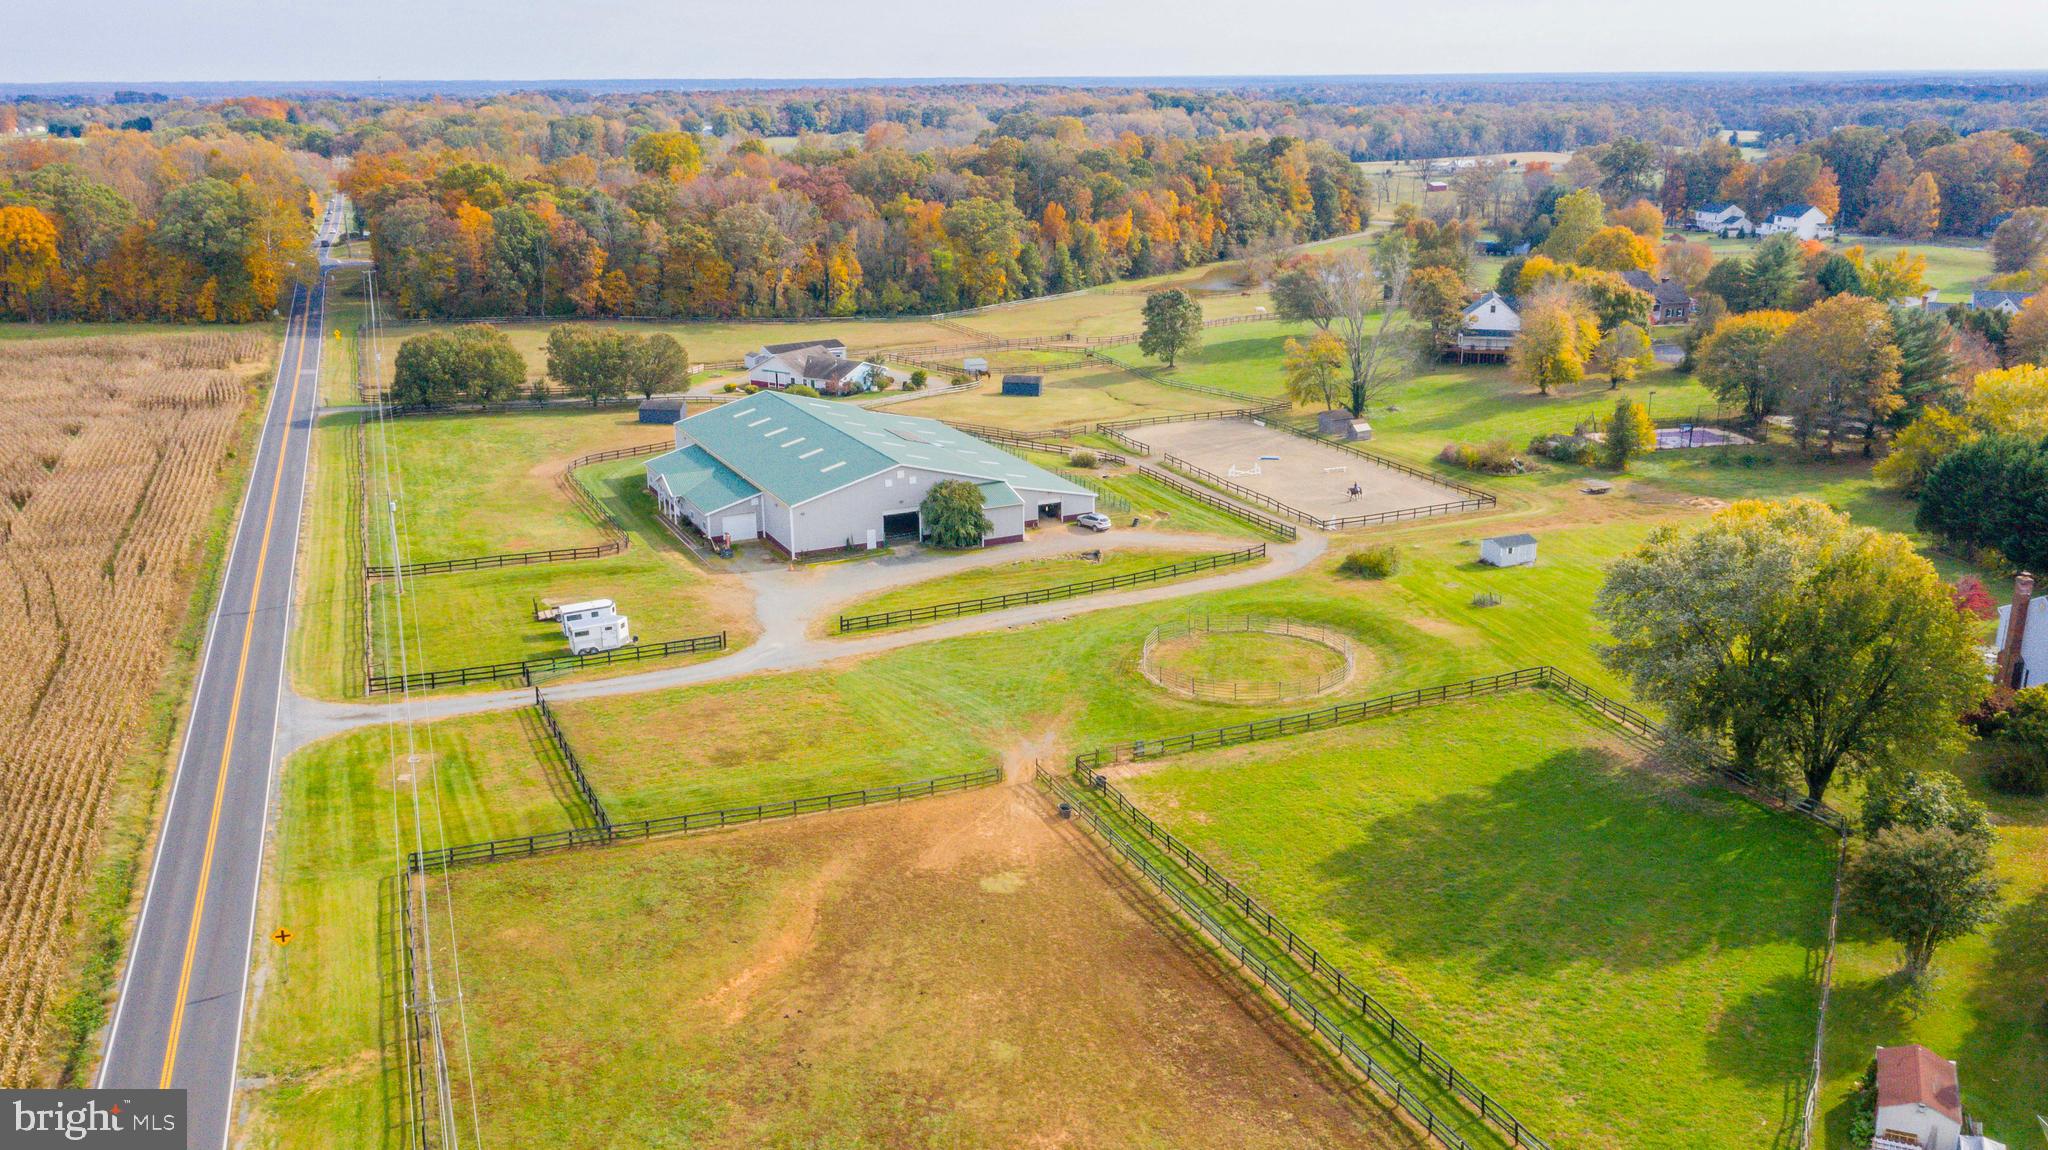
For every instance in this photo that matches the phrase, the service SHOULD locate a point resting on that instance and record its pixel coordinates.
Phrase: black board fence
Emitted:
(1330, 1028)
(599, 819)
(1411, 1044)
(526, 669)
(616, 541)
(1766, 792)
(1195, 492)
(853, 623)
(523, 846)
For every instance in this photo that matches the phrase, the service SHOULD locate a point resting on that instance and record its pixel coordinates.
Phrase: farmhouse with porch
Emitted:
(1488, 329)
(819, 364)
(1802, 220)
(1726, 220)
(808, 476)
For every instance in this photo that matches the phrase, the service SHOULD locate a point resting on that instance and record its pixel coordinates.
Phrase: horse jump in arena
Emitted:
(1314, 478)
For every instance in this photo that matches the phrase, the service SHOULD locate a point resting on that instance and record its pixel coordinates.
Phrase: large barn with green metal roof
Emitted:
(811, 475)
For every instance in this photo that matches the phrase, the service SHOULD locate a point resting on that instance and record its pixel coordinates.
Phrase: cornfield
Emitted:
(112, 454)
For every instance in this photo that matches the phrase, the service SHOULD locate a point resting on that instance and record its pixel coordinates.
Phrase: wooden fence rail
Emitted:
(1214, 502)
(495, 850)
(1399, 1034)
(526, 669)
(852, 623)
(1245, 494)
(1332, 1029)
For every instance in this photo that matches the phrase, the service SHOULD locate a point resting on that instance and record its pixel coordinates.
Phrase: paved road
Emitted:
(178, 1022)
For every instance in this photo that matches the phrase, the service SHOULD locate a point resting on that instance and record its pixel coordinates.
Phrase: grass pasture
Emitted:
(1021, 575)
(706, 341)
(484, 485)
(1096, 394)
(952, 972)
(1952, 267)
(1618, 954)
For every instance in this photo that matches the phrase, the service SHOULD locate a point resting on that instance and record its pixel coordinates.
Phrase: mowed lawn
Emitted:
(1951, 267)
(1090, 395)
(486, 484)
(1024, 575)
(1985, 1003)
(1621, 956)
(321, 1057)
(952, 972)
(707, 341)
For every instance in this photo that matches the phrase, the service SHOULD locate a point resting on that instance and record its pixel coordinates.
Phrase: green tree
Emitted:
(1173, 324)
(1923, 801)
(475, 362)
(659, 364)
(1629, 433)
(1578, 215)
(1923, 888)
(1837, 362)
(1801, 642)
(1839, 275)
(1735, 361)
(592, 363)
(1623, 354)
(952, 514)
(1773, 275)
(1991, 492)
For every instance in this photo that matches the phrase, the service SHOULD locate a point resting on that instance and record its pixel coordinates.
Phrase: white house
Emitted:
(2021, 648)
(1488, 329)
(810, 476)
(1919, 1104)
(818, 364)
(1508, 550)
(2009, 302)
(1722, 219)
(593, 625)
(1802, 220)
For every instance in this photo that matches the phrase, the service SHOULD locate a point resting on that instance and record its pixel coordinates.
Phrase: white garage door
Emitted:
(741, 526)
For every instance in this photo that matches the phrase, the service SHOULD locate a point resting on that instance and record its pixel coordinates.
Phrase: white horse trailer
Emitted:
(594, 626)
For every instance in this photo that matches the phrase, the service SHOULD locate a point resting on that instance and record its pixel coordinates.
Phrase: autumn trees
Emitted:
(123, 226)
(659, 223)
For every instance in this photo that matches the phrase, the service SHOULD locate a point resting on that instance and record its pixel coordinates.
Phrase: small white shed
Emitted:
(1508, 550)
(593, 625)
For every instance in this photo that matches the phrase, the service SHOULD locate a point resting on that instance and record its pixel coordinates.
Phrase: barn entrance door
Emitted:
(901, 525)
(1049, 511)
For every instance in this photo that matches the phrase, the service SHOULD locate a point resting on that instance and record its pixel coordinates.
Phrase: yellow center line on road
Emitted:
(220, 785)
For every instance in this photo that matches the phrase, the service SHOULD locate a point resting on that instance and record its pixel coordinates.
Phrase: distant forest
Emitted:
(893, 199)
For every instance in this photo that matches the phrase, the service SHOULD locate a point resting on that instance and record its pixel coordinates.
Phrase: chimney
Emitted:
(2009, 665)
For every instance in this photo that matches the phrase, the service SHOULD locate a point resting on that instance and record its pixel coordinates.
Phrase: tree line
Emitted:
(124, 226)
(872, 229)
(476, 363)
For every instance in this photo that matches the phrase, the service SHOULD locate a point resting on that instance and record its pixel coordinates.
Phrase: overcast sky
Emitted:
(185, 40)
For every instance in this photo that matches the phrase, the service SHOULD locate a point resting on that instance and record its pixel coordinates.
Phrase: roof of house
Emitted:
(1489, 297)
(1981, 298)
(1794, 211)
(1917, 1076)
(1668, 293)
(692, 473)
(1717, 209)
(779, 348)
(1513, 540)
(820, 365)
(797, 448)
